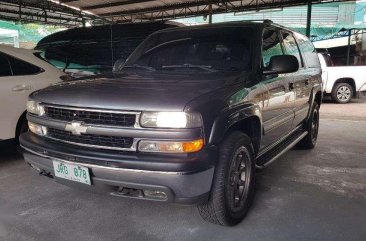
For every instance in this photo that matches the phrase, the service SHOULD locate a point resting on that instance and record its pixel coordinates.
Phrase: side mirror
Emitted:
(282, 64)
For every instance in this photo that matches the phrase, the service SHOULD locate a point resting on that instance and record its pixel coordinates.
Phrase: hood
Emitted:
(146, 91)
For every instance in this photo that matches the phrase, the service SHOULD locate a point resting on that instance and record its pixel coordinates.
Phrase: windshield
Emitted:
(205, 50)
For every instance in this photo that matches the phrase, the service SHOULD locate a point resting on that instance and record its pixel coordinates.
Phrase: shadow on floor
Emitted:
(9, 151)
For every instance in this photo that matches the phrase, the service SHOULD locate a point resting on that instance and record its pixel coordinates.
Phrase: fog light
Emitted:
(156, 194)
(37, 129)
(171, 146)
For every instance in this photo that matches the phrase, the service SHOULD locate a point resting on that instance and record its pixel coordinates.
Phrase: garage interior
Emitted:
(304, 195)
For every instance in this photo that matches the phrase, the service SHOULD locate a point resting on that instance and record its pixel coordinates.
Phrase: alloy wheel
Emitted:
(239, 177)
(343, 93)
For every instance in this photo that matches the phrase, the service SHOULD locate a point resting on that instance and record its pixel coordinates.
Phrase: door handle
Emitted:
(291, 86)
(21, 87)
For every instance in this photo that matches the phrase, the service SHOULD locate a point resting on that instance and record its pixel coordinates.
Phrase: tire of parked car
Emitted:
(23, 127)
(233, 185)
(342, 93)
(312, 127)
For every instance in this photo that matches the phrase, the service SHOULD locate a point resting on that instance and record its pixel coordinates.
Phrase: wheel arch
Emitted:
(250, 125)
(22, 119)
(318, 98)
(347, 80)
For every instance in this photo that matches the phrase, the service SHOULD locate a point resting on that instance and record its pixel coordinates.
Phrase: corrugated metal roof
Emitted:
(73, 12)
(42, 11)
(132, 10)
(296, 16)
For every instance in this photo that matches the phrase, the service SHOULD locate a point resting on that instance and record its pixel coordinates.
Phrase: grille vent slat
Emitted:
(91, 117)
(92, 140)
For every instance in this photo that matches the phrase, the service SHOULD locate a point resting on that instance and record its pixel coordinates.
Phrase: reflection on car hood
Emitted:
(133, 91)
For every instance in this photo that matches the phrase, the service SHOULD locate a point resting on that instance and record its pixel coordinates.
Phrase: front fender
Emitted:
(316, 89)
(226, 121)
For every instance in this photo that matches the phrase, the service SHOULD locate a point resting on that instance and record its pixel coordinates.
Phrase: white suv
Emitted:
(21, 72)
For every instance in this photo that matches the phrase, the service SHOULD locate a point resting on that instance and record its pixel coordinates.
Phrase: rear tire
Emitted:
(233, 183)
(342, 93)
(312, 127)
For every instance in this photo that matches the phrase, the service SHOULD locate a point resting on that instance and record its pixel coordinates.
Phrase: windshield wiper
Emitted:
(192, 66)
(140, 67)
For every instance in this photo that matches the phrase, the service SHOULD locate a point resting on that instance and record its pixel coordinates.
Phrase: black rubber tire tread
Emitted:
(334, 93)
(307, 142)
(215, 210)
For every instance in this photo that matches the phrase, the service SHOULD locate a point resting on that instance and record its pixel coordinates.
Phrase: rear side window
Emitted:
(271, 45)
(4, 66)
(21, 67)
(291, 46)
(308, 51)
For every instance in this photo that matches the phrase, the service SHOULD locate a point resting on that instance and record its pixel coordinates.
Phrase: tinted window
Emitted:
(271, 45)
(291, 46)
(308, 51)
(20, 67)
(226, 49)
(4, 66)
(90, 49)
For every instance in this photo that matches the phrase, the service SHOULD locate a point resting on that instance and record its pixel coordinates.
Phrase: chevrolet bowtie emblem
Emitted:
(76, 128)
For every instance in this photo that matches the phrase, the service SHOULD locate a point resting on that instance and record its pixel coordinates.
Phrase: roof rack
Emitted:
(264, 21)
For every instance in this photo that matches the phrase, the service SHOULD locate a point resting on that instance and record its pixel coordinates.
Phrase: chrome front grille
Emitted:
(79, 120)
(90, 140)
(92, 117)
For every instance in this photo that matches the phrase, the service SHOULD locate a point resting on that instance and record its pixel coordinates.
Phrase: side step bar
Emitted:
(265, 159)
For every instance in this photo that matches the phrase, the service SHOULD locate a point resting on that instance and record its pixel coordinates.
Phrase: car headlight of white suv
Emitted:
(35, 108)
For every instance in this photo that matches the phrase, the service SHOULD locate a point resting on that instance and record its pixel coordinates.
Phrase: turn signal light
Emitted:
(171, 146)
(193, 146)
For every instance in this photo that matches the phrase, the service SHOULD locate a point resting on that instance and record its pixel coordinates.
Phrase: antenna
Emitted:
(112, 52)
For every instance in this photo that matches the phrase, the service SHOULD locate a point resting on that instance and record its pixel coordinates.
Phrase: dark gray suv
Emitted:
(188, 118)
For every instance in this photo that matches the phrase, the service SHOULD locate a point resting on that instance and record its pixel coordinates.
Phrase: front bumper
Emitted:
(183, 178)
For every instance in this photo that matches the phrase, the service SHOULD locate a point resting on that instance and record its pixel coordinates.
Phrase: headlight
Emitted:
(35, 108)
(171, 146)
(170, 119)
(37, 129)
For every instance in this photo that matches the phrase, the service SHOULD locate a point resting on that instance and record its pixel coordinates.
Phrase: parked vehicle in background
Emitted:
(188, 118)
(21, 72)
(94, 50)
(342, 83)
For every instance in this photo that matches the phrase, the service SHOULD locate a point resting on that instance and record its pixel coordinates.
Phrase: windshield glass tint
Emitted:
(224, 48)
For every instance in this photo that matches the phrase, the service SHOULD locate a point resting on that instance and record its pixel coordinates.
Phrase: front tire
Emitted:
(342, 93)
(233, 184)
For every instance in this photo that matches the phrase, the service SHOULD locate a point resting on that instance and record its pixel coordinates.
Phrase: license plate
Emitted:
(71, 172)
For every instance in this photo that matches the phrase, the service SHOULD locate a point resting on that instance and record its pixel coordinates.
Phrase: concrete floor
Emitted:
(305, 195)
